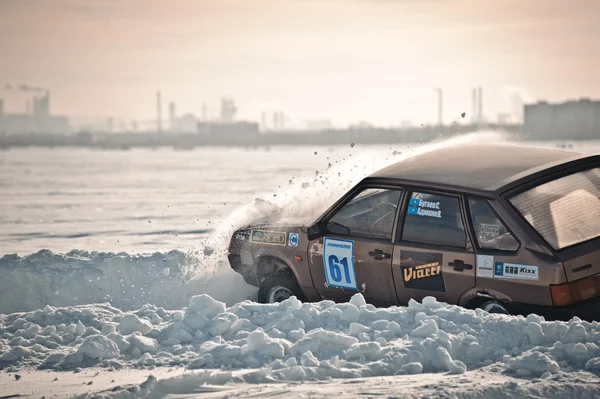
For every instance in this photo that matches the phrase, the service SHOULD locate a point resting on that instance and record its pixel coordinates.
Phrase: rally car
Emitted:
(507, 228)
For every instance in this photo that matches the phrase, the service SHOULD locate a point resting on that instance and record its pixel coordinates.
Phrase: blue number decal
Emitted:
(334, 268)
(338, 260)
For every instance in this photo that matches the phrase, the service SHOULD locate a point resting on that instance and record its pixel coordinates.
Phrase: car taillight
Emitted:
(576, 291)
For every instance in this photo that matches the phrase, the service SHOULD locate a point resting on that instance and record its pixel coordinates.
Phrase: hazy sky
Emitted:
(349, 60)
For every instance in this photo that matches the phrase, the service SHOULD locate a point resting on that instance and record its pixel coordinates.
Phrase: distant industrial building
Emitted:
(568, 120)
(39, 120)
(228, 130)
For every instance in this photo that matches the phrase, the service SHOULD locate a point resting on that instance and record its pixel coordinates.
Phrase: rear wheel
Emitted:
(278, 287)
(493, 307)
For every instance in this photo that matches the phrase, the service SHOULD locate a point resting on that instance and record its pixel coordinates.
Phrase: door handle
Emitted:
(378, 254)
(460, 265)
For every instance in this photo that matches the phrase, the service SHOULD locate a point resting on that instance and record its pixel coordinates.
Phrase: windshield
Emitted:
(565, 211)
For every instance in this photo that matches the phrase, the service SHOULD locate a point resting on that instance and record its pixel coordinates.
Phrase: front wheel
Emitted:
(278, 287)
(494, 307)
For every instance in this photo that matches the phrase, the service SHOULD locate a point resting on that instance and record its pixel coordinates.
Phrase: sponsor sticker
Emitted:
(293, 240)
(268, 237)
(485, 266)
(515, 270)
(422, 271)
(424, 208)
(338, 260)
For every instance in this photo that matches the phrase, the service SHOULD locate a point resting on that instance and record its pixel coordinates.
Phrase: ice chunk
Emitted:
(411, 368)
(205, 305)
(143, 344)
(308, 360)
(99, 347)
(536, 362)
(358, 300)
(131, 323)
(453, 366)
(108, 329)
(351, 313)
(426, 329)
(121, 342)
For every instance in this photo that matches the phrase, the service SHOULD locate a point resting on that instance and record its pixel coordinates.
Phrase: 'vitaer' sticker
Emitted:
(422, 270)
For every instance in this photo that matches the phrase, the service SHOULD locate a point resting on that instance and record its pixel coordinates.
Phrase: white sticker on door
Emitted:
(338, 259)
(485, 266)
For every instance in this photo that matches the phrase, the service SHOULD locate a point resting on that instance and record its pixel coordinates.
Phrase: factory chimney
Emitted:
(204, 113)
(474, 106)
(158, 113)
(440, 107)
(1, 117)
(172, 117)
(480, 105)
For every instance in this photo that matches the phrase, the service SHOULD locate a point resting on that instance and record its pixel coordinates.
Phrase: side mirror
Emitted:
(315, 231)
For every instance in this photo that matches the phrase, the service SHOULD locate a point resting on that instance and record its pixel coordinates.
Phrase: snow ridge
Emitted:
(296, 341)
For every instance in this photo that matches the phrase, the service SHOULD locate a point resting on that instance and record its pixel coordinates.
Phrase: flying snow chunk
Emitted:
(99, 347)
(131, 323)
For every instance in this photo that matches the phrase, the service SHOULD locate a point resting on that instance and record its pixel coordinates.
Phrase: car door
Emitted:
(355, 253)
(433, 255)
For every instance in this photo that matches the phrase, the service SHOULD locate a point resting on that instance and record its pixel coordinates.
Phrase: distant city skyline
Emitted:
(346, 60)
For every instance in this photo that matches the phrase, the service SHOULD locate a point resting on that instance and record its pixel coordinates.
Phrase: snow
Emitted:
(125, 281)
(294, 341)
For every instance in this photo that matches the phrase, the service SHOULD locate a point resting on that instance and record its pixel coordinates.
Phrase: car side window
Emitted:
(434, 219)
(371, 213)
(491, 233)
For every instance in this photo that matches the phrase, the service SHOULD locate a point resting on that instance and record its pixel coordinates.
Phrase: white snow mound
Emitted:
(298, 341)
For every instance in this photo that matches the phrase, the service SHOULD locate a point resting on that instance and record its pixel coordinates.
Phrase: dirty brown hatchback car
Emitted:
(506, 228)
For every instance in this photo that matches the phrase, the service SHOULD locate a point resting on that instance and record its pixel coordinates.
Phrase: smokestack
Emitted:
(204, 113)
(172, 117)
(264, 120)
(474, 106)
(158, 113)
(480, 105)
(440, 107)
(281, 120)
(1, 117)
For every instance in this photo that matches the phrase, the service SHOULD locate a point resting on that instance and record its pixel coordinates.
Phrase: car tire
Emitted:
(278, 287)
(494, 307)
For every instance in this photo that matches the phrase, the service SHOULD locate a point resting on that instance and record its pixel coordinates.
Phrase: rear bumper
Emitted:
(587, 310)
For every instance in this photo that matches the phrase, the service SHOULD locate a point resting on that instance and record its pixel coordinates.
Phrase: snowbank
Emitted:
(296, 341)
(127, 282)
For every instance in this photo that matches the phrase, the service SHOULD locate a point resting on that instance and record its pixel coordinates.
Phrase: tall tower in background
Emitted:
(480, 105)
(1, 116)
(477, 99)
(158, 113)
(172, 117)
(440, 107)
(228, 110)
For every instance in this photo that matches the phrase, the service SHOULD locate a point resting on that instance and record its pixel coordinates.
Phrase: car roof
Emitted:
(481, 167)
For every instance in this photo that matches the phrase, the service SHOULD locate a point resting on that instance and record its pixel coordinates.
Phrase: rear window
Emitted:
(565, 211)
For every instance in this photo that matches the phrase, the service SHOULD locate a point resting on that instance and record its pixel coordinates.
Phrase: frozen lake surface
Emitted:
(115, 281)
(157, 200)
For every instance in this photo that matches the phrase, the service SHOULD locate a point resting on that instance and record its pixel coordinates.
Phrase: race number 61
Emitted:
(338, 260)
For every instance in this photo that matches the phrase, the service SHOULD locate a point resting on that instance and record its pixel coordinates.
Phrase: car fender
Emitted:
(482, 292)
(304, 279)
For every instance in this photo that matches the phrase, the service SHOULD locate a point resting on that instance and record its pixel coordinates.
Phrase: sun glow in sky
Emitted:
(347, 60)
